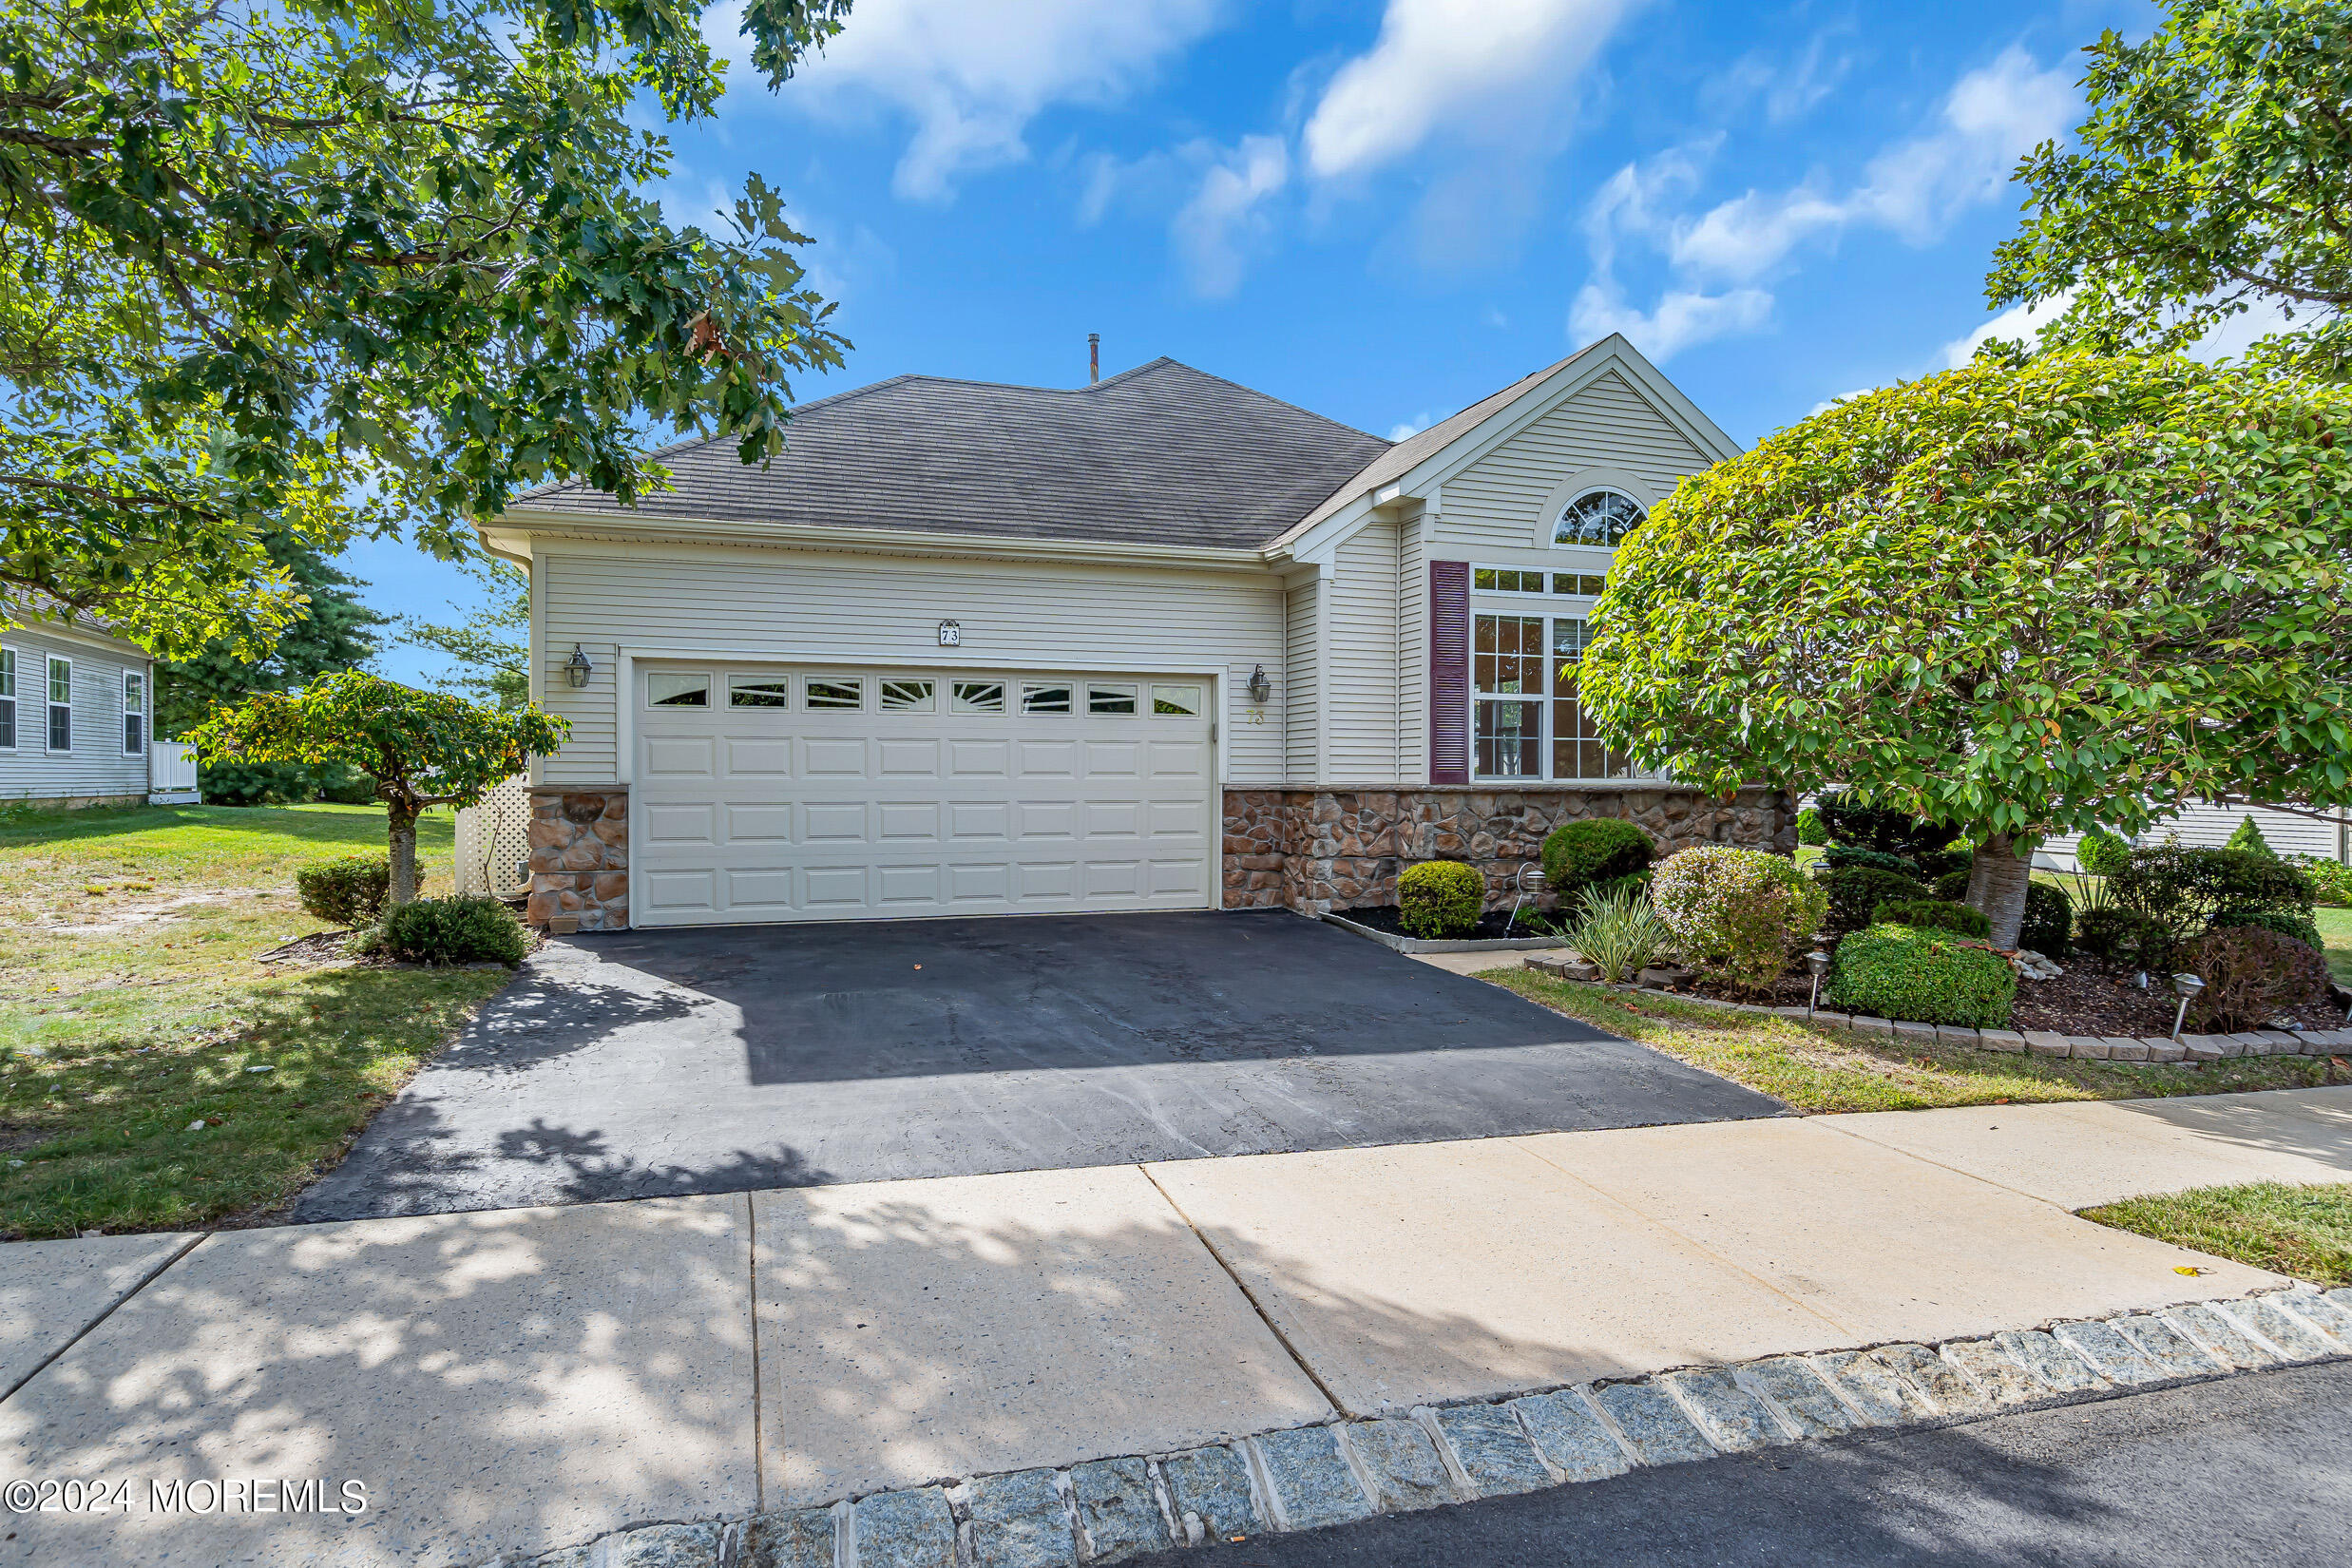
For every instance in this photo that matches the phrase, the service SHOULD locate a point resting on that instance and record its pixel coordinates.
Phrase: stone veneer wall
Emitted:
(580, 857)
(1318, 850)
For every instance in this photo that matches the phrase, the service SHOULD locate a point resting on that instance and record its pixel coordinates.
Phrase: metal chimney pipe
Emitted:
(1094, 356)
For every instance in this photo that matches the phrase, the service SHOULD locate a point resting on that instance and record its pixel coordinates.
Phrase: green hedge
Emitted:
(1933, 915)
(2103, 853)
(1812, 826)
(1922, 977)
(2049, 928)
(1594, 850)
(2302, 927)
(1855, 891)
(467, 930)
(349, 891)
(2126, 937)
(1440, 900)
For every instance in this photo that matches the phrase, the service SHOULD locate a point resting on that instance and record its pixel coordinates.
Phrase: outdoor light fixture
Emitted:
(1818, 962)
(1260, 687)
(2185, 986)
(577, 668)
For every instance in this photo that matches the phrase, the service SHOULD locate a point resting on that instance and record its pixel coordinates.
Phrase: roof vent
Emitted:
(1093, 357)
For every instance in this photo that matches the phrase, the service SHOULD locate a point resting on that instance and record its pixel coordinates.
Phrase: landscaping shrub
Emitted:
(465, 929)
(1952, 885)
(2102, 853)
(2049, 925)
(2249, 973)
(1440, 900)
(1812, 827)
(1594, 848)
(1617, 931)
(2302, 927)
(2331, 880)
(1925, 977)
(1860, 827)
(1839, 855)
(2182, 889)
(1742, 909)
(348, 787)
(2126, 937)
(1933, 915)
(1855, 891)
(2248, 838)
(346, 891)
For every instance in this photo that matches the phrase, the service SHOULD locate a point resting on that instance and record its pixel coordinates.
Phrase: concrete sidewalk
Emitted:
(520, 1381)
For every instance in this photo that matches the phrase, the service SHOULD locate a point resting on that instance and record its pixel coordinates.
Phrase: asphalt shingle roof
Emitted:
(1162, 455)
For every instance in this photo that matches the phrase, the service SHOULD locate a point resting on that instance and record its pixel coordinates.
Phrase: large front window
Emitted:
(1527, 719)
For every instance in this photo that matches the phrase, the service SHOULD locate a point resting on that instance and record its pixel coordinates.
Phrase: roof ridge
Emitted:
(1278, 402)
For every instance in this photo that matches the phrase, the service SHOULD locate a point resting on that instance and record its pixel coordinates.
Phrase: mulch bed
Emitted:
(1493, 925)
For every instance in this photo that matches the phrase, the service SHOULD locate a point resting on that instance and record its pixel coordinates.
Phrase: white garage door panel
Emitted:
(778, 813)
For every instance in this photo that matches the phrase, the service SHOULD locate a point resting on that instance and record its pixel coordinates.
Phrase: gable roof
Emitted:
(1160, 454)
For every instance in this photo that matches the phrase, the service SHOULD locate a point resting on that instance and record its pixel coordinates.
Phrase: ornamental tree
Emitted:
(2021, 601)
(344, 268)
(422, 748)
(2214, 175)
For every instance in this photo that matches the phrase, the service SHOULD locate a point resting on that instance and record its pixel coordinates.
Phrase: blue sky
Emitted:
(1383, 210)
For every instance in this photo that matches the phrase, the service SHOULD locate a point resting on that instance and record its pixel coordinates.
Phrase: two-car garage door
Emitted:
(771, 793)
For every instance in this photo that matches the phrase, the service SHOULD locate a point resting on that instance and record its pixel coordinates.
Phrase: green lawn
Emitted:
(2305, 1232)
(1822, 1070)
(2336, 931)
(131, 1006)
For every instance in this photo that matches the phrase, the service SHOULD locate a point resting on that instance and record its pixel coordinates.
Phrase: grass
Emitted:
(2336, 931)
(1822, 1070)
(131, 1006)
(2305, 1232)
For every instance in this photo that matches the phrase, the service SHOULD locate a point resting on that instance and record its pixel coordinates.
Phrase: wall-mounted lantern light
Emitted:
(1260, 687)
(576, 669)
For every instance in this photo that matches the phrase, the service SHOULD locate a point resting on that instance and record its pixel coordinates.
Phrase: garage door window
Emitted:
(1111, 701)
(834, 694)
(1038, 698)
(1175, 701)
(759, 691)
(666, 689)
(907, 697)
(980, 697)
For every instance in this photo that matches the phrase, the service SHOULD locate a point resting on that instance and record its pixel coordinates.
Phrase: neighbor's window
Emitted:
(759, 691)
(1110, 701)
(7, 700)
(673, 689)
(841, 691)
(1036, 699)
(979, 696)
(134, 713)
(907, 697)
(1597, 517)
(61, 704)
(1175, 701)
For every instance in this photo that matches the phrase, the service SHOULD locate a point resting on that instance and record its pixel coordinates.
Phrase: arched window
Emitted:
(1597, 517)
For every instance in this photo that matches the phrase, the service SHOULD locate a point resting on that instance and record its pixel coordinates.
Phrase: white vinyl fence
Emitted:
(171, 775)
(493, 842)
(2209, 827)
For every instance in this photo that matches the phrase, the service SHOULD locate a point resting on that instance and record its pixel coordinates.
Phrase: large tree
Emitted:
(340, 268)
(491, 645)
(2213, 177)
(2021, 601)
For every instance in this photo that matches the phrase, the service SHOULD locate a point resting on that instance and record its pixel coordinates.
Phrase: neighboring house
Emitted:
(1156, 643)
(2204, 825)
(74, 707)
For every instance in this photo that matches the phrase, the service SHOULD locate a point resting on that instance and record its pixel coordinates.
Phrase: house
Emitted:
(74, 715)
(1155, 642)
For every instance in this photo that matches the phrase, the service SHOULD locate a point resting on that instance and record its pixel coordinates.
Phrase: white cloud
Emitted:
(2018, 321)
(1683, 317)
(1225, 218)
(1453, 65)
(1789, 88)
(1832, 402)
(839, 260)
(974, 73)
(1404, 429)
(2227, 341)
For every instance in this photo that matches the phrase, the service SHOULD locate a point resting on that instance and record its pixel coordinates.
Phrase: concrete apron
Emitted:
(520, 1381)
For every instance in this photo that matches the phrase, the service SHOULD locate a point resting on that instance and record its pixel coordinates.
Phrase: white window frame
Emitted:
(50, 705)
(129, 713)
(8, 695)
(1551, 609)
(1554, 540)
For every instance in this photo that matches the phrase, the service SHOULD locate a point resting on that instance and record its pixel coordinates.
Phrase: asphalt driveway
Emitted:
(645, 1063)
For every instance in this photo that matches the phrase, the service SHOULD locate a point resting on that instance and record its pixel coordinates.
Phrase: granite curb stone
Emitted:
(1400, 1460)
(1020, 1520)
(1806, 1405)
(1570, 1436)
(1308, 1479)
(1733, 1419)
(1118, 1510)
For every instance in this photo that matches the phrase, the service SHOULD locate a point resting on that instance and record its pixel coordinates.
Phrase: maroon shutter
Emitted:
(1450, 672)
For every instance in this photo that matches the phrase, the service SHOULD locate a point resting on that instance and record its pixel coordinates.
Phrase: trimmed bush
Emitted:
(1440, 900)
(1593, 849)
(1933, 915)
(467, 930)
(2182, 889)
(2102, 853)
(2126, 937)
(2049, 925)
(2248, 839)
(2302, 927)
(2249, 973)
(1951, 887)
(1855, 891)
(346, 891)
(349, 787)
(1922, 977)
(1812, 827)
(1838, 855)
(1742, 909)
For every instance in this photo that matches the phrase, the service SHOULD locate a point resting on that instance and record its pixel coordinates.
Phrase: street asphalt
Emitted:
(2253, 1469)
(669, 1062)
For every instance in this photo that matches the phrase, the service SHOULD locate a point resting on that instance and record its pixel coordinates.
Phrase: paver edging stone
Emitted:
(1570, 1435)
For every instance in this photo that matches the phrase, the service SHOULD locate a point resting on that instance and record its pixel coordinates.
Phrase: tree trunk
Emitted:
(1996, 882)
(403, 850)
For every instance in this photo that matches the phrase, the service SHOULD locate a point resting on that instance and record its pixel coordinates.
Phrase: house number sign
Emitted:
(950, 635)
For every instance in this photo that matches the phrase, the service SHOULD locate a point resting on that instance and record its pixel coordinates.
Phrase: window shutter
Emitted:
(1450, 672)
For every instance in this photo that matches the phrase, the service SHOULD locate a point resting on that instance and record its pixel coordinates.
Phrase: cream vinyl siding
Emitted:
(1302, 708)
(845, 609)
(1362, 666)
(1412, 715)
(96, 765)
(1492, 505)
